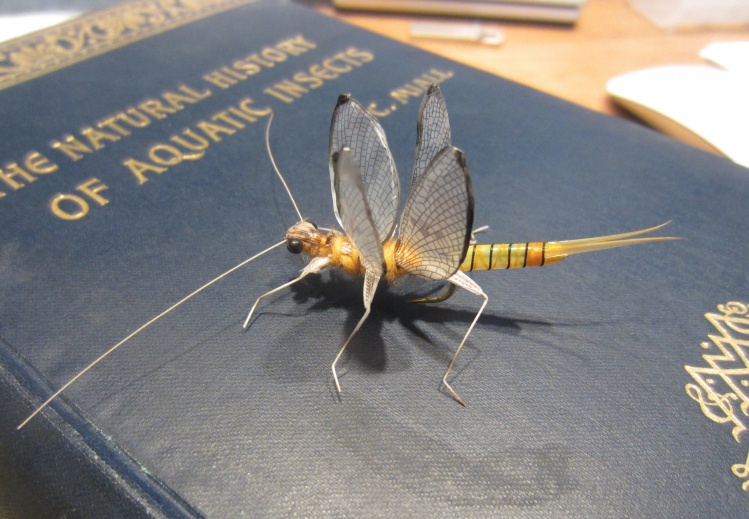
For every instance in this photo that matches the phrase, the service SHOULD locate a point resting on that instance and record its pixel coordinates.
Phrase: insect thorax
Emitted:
(305, 238)
(342, 253)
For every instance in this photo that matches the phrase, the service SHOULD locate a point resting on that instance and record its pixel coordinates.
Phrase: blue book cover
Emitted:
(133, 170)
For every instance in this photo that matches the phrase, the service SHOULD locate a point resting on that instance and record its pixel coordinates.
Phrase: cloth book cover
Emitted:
(134, 171)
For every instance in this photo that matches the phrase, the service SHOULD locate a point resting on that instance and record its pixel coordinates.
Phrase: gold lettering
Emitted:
(261, 61)
(196, 95)
(112, 124)
(176, 100)
(328, 64)
(202, 144)
(291, 88)
(139, 168)
(38, 163)
(174, 155)
(423, 84)
(419, 85)
(80, 210)
(324, 72)
(254, 63)
(375, 110)
(219, 79)
(438, 76)
(741, 470)
(296, 45)
(12, 173)
(134, 118)
(274, 55)
(72, 147)
(363, 56)
(311, 81)
(91, 188)
(720, 388)
(315, 76)
(224, 116)
(289, 48)
(342, 57)
(278, 95)
(249, 68)
(402, 94)
(213, 130)
(96, 136)
(242, 115)
(156, 108)
(192, 143)
(244, 105)
(234, 73)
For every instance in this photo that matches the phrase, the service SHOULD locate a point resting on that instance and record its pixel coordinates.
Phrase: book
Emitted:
(546, 11)
(134, 171)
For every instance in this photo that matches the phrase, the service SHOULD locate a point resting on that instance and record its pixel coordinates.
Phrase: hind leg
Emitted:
(463, 281)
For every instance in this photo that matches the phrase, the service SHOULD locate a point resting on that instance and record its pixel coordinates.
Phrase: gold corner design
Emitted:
(40, 53)
(722, 387)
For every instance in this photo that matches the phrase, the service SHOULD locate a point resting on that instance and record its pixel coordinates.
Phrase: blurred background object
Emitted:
(19, 17)
(475, 32)
(18, 24)
(673, 14)
(704, 106)
(547, 11)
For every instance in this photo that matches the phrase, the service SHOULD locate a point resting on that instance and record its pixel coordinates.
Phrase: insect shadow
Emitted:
(336, 291)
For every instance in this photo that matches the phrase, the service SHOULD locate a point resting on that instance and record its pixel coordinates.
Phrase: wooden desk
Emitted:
(573, 63)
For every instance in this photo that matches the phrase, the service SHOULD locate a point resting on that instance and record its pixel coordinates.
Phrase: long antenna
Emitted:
(140, 329)
(178, 303)
(275, 168)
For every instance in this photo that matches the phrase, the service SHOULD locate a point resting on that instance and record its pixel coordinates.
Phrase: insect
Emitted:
(435, 229)
(434, 238)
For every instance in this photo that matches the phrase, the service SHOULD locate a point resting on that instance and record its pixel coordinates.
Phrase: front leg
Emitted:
(315, 266)
(370, 285)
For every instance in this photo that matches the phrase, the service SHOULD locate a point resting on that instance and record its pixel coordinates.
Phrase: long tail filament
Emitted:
(559, 250)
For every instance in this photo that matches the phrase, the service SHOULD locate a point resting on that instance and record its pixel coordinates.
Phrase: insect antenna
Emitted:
(178, 303)
(140, 329)
(275, 168)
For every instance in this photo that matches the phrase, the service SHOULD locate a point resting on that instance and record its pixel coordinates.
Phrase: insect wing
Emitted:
(353, 127)
(436, 224)
(432, 131)
(355, 216)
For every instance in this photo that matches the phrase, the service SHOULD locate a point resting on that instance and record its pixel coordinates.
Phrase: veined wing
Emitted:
(436, 224)
(353, 127)
(432, 131)
(355, 216)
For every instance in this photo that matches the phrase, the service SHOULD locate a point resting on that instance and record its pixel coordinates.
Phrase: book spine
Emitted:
(44, 466)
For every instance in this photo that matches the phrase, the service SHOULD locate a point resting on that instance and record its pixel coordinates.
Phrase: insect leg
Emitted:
(463, 281)
(370, 285)
(314, 267)
(442, 296)
(476, 231)
(450, 289)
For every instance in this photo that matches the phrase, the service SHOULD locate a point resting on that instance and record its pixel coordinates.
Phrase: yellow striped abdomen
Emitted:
(538, 254)
(507, 256)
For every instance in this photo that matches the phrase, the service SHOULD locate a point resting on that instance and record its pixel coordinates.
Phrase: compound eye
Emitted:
(295, 246)
(313, 224)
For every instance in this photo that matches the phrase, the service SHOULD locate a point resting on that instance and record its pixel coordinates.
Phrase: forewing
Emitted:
(354, 127)
(355, 216)
(432, 131)
(436, 224)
